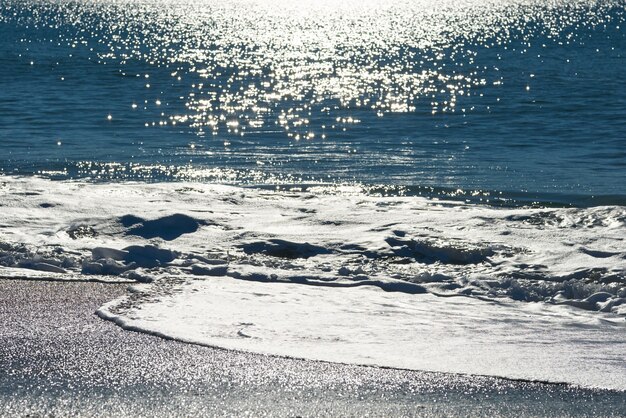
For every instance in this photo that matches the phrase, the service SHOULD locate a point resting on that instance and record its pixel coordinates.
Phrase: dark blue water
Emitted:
(517, 99)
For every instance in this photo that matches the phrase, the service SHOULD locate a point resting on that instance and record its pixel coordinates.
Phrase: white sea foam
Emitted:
(394, 281)
(367, 325)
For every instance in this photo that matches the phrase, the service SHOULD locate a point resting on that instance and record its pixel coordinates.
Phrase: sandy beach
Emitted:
(59, 359)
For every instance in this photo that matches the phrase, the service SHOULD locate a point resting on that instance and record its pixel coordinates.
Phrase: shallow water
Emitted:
(70, 376)
(525, 293)
(520, 97)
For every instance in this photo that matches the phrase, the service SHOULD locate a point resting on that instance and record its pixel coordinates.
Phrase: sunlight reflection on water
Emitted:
(447, 93)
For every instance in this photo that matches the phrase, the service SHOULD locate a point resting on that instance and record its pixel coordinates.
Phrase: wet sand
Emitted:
(58, 358)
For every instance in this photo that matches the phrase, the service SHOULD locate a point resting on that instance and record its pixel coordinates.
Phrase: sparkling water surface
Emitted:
(517, 98)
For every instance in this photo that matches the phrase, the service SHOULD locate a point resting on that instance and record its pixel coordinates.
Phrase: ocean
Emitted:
(348, 181)
(518, 97)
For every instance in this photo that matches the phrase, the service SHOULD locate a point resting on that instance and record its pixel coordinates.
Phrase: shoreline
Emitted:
(59, 358)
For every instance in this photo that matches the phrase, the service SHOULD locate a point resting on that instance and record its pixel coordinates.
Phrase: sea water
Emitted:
(257, 168)
(514, 96)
